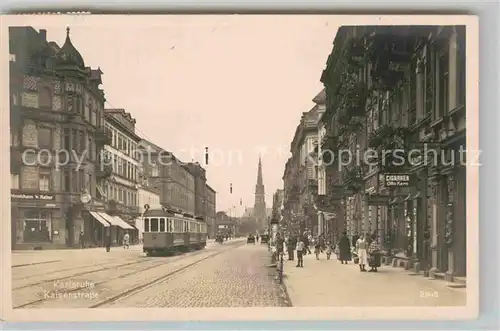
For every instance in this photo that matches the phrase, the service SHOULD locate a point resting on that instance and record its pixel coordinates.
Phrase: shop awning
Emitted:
(116, 221)
(99, 218)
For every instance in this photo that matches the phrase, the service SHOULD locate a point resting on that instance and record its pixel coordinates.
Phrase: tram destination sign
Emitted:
(397, 180)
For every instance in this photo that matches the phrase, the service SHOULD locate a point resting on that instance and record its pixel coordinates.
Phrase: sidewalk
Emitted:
(25, 257)
(30, 257)
(330, 283)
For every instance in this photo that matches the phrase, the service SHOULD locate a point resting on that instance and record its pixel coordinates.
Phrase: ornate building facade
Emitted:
(301, 172)
(56, 113)
(401, 88)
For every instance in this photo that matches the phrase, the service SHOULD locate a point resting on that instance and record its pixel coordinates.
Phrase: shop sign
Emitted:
(397, 180)
(378, 200)
(40, 197)
(223, 226)
(371, 184)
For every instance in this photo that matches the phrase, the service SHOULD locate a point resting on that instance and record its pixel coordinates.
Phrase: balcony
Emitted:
(116, 207)
(103, 137)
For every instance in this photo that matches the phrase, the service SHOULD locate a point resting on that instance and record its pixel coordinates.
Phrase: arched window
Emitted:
(45, 97)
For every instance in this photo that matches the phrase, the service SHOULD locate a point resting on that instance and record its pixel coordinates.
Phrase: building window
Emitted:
(66, 181)
(120, 167)
(82, 142)
(429, 81)
(14, 138)
(14, 181)
(443, 82)
(44, 138)
(66, 140)
(45, 178)
(74, 181)
(81, 180)
(15, 99)
(74, 141)
(37, 226)
(45, 99)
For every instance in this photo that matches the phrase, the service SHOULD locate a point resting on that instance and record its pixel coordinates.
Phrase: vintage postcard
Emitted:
(239, 167)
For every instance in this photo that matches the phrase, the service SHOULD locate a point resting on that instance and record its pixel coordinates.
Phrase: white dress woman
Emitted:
(361, 247)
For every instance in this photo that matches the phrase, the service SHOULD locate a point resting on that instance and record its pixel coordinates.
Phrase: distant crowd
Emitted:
(364, 250)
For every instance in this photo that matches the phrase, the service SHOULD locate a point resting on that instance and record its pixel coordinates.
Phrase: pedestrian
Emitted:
(290, 246)
(300, 253)
(361, 246)
(374, 254)
(317, 248)
(280, 244)
(355, 239)
(322, 243)
(126, 241)
(257, 238)
(107, 240)
(344, 249)
(306, 243)
(82, 240)
(328, 250)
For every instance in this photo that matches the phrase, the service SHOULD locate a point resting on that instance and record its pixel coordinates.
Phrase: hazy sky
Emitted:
(237, 84)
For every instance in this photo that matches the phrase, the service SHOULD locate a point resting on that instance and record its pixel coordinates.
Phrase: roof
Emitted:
(320, 99)
(69, 54)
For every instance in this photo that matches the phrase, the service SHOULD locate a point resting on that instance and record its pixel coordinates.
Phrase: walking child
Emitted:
(300, 253)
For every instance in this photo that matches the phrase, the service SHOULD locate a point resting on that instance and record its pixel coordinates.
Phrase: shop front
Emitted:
(37, 221)
(118, 228)
(94, 229)
(448, 226)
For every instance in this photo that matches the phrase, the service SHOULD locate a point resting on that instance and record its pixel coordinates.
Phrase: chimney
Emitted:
(43, 34)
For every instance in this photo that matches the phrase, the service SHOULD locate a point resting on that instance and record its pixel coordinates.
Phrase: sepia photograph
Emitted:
(293, 162)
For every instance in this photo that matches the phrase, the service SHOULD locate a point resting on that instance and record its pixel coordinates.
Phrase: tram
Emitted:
(167, 231)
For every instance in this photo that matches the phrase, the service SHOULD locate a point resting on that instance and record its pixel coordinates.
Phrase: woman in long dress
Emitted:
(361, 247)
(344, 249)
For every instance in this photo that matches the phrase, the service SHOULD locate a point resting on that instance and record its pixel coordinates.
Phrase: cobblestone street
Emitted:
(237, 278)
(90, 281)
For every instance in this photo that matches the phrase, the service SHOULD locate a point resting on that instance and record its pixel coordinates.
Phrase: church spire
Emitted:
(259, 174)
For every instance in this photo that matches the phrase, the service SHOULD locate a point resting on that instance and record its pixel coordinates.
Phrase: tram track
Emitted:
(83, 266)
(78, 273)
(139, 288)
(162, 262)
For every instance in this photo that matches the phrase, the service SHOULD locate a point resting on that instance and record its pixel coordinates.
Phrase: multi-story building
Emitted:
(225, 224)
(57, 123)
(403, 88)
(161, 169)
(211, 211)
(120, 189)
(278, 205)
(200, 188)
(299, 178)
